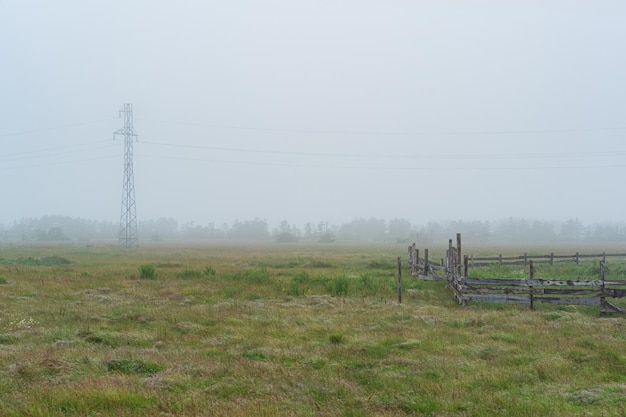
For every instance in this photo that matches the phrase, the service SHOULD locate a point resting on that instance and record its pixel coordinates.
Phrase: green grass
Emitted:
(147, 271)
(287, 330)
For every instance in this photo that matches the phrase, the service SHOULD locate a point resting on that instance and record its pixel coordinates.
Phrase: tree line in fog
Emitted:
(60, 228)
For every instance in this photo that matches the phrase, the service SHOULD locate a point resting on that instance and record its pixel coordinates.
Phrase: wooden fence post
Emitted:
(577, 257)
(551, 258)
(399, 280)
(531, 275)
(417, 261)
(449, 265)
(602, 297)
(466, 265)
(525, 258)
(459, 258)
(426, 268)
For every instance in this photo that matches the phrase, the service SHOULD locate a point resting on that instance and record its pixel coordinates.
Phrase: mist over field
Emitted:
(315, 112)
(359, 230)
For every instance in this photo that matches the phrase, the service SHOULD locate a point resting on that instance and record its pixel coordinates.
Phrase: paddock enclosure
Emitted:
(462, 276)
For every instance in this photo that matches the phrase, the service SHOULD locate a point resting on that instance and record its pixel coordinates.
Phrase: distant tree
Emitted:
(543, 230)
(161, 228)
(479, 231)
(249, 230)
(607, 232)
(107, 230)
(192, 231)
(286, 237)
(399, 229)
(310, 231)
(363, 229)
(514, 229)
(286, 233)
(322, 228)
(435, 232)
(572, 229)
(214, 232)
(53, 234)
(327, 238)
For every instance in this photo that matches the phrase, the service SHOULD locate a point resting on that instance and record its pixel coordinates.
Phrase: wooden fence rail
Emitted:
(519, 291)
(475, 261)
(424, 267)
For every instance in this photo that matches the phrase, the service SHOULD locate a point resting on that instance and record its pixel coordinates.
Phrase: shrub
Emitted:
(147, 271)
(340, 286)
(257, 276)
(286, 237)
(365, 284)
(301, 277)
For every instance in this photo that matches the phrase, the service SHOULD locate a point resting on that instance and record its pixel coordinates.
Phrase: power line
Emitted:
(47, 164)
(400, 156)
(382, 168)
(50, 128)
(60, 150)
(389, 132)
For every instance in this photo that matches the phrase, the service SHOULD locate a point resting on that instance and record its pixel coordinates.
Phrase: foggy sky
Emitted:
(315, 110)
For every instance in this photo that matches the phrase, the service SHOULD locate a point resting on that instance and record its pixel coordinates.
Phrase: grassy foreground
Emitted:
(284, 330)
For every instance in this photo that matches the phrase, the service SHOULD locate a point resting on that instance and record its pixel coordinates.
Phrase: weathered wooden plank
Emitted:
(485, 258)
(508, 290)
(540, 291)
(437, 267)
(573, 257)
(614, 293)
(603, 255)
(586, 301)
(566, 291)
(508, 299)
(614, 282)
(494, 281)
(505, 263)
(553, 282)
(529, 282)
(511, 258)
(607, 307)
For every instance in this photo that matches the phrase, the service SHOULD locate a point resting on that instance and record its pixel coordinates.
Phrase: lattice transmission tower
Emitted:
(128, 216)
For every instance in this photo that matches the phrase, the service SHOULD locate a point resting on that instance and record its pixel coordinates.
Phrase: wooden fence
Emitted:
(424, 267)
(454, 270)
(551, 258)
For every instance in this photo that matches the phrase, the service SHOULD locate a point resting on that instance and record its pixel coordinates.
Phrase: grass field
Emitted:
(291, 330)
